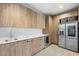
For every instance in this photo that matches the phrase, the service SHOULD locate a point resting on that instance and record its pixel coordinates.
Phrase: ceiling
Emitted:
(52, 8)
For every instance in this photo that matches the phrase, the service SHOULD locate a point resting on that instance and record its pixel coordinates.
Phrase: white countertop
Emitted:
(23, 37)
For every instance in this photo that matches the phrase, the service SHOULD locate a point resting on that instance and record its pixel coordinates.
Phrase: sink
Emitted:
(15, 39)
(6, 40)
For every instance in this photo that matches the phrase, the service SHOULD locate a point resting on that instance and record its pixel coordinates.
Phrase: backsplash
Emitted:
(7, 31)
(4, 32)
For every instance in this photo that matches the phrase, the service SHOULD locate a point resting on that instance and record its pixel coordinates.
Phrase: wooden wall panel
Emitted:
(68, 14)
(50, 30)
(49, 25)
(55, 30)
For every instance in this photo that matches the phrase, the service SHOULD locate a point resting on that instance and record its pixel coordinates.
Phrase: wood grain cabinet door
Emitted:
(19, 47)
(41, 43)
(40, 21)
(29, 47)
(25, 48)
(5, 49)
(22, 48)
(36, 45)
(13, 48)
(16, 48)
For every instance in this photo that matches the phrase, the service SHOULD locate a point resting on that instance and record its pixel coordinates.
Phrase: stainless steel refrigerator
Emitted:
(69, 35)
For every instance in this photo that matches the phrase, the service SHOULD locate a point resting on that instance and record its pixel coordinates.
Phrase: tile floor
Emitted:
(54, 50)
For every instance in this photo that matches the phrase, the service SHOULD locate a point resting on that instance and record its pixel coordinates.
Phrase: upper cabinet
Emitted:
(40, 21)
(32, 18)
(4, 15)
(17, 15)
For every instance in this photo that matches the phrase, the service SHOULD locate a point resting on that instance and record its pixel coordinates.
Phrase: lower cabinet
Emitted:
(38, 44)
(29, 47)
(35, 45)
(41, 43)
(5, 49)
(26, 47)
(13, 49)
(18, 48)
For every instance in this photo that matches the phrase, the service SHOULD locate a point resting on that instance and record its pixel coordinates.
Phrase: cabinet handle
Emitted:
(28, 41)
(40, 45)
(31, 40)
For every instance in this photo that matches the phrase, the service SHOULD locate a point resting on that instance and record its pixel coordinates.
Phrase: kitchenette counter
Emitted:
(19, 38)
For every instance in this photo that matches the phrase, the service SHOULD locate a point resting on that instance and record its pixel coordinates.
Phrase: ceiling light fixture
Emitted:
(60, 6)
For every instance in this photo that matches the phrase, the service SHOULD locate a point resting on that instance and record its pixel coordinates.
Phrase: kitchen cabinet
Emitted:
(29, 47)
(14, 10)
(17, 15)
(38, 44)
(18, 48)
(8, 15)
(40, 21)
(32, 46)
(28, 20)
(25, 47)
(35, 45)
(4, 15)
(13, 48)
(41, 43)
(34, 19)
(5, 49)
(21, 48)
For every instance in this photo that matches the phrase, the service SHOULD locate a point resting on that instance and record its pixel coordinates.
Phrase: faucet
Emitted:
(11, 34)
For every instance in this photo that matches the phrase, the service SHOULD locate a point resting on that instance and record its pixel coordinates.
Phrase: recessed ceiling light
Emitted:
(61, 6)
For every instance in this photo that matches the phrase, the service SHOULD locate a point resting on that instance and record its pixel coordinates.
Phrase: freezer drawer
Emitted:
(72, 44)
(62, 42)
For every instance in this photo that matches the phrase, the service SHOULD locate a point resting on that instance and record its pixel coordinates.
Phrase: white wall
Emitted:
(5, 31)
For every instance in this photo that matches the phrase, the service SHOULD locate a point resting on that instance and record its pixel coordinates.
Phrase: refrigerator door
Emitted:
(62, 42)
(62, 35)
(72, 30)
(72, 36)
(72, 44)
(62, 30)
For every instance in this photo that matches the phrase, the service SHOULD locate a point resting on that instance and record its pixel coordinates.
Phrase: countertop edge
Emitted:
(13, 41)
